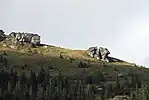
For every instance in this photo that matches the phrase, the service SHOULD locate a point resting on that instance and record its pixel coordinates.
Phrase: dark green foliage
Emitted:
(23, 81)
(142, 93)
(50, 67)
(83, 64)
(136, 80)
(44, 85)
(117, 83)
(71, 60)
(89, 79)
(13, 79)
(59, 87)
(95, 78)
(110, 90)
(115, 69)
(51, 88)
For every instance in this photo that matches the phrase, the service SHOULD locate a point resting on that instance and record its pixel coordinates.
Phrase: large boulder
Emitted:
(35, 39)
(104, 52)
(1, 32)
(99, 53)
(93, 52)
(2, 35)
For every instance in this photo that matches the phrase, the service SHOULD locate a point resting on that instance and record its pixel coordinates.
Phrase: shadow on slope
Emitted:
(112, 59)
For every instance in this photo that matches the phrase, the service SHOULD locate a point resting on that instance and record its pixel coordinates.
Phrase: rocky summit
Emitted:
(20, 38)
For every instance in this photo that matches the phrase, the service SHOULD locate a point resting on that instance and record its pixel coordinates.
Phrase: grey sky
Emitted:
(120, 25)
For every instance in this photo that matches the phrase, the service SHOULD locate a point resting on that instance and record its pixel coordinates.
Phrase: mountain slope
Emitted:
(64, 59)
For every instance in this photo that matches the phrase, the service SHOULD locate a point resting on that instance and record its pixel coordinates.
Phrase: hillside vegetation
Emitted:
(114, 77)
(64, 59)
(55, 73)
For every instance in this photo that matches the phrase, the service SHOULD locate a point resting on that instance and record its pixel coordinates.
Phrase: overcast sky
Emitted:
(120, 25)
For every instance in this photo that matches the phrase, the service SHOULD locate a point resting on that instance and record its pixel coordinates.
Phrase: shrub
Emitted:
(82, 64)
(95, 78)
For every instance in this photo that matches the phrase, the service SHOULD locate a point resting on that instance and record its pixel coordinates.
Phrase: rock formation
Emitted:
(2, 35)
(18, 37)
(25, 38)
(99, 53)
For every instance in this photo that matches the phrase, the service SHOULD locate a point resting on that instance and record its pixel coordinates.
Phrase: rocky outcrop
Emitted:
(99, 53)
(25, 38)
(18, 37)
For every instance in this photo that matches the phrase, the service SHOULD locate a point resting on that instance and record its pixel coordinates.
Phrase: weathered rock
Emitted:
(121, 98)
(2, 35)
(93, 52)
(101, 53)
(83, 64)
(13, 47)
(104, 54)
(25, 38)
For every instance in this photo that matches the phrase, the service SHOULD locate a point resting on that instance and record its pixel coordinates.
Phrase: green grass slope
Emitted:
(66, 60)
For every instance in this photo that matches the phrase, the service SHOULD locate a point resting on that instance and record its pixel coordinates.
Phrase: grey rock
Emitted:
(2, 35)
(104, 54)
(101, 53)
(1, 32)
(93, 52)
(121, 98)
(25, 38)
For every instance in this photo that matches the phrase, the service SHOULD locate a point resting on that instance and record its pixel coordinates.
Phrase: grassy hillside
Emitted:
(64, 59)
(115, 78)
